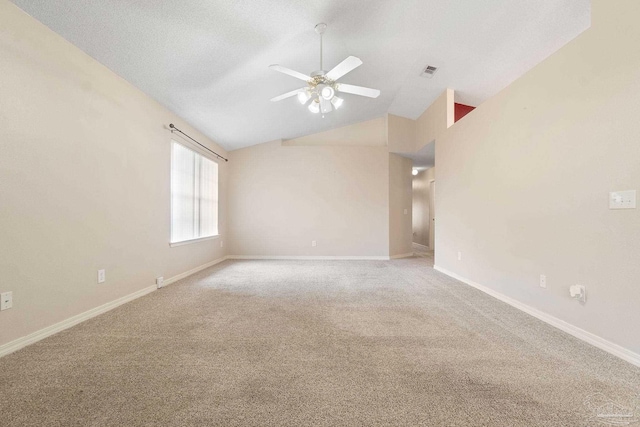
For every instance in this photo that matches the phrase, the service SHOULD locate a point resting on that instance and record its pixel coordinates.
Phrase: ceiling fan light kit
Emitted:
(304, 96)
(322, 86)
(314, 107)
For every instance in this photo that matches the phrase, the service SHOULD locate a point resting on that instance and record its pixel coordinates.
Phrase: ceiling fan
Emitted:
(320, 92)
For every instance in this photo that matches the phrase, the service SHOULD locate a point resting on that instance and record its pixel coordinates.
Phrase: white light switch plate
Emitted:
(622, 199)
(6, 300)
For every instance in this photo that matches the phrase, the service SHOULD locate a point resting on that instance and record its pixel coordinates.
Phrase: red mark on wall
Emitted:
(462, 110)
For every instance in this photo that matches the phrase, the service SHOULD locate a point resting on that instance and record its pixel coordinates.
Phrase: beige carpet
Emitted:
(313, 343)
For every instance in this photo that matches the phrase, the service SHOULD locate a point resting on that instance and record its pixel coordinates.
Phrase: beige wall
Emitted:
(371, 132)
(84, 182)
(420, 206)
(523, 182)
(401, 134)
(283, 197)
(408, 136)
(340, 188)
(400, 211)
(436, 119)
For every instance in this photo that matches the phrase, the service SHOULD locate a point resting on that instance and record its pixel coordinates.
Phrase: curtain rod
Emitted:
(175, 129)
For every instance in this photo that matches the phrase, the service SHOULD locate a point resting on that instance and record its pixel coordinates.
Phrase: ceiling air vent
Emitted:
(428, 71)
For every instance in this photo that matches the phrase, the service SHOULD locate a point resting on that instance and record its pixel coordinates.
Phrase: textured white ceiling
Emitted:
(207, 60)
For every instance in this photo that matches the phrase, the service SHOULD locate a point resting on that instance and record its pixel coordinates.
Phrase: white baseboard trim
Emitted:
(311, 258)
(423, 247)
(192, 271)
(19, 343)
(601, 343)
(410, 254)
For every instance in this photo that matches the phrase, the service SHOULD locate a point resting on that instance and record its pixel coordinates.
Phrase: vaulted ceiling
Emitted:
(207, 60)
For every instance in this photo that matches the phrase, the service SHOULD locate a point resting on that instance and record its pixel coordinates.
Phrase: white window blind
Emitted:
(194, 195)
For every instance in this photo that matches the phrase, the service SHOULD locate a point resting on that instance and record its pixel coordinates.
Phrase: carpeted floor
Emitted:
(313, 343)
(421, 251)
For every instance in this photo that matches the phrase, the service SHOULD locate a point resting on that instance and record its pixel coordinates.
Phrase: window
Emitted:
(194, 195)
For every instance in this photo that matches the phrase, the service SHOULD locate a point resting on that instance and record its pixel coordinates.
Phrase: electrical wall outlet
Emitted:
(459, 256)
(6, 300)
(159, 281)
(543, 281)
(578, 292)
(313, 243)
(102, 276)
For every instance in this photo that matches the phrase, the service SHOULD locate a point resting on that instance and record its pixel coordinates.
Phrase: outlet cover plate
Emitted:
(6, 300)
(543, 281)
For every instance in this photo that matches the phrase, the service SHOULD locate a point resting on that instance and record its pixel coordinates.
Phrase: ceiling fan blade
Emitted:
(290, 72)
(287, 95)
(346, 66)
(325, 105)
(358, 90)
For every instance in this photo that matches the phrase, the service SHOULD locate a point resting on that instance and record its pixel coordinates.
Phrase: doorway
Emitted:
(423, 211)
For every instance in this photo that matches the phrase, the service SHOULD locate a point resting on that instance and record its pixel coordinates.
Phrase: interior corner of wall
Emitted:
(386, 128)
